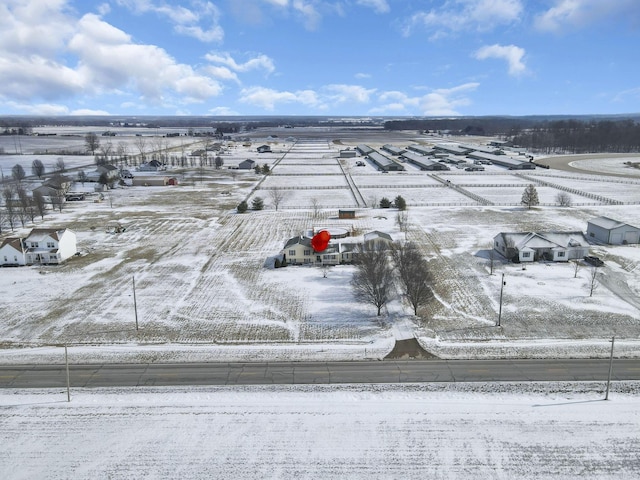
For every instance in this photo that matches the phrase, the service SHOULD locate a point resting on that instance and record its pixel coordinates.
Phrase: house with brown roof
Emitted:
(12, 252)
(49, 245)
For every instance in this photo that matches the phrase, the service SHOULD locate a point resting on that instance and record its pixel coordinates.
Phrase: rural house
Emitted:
(49, 245)
(42, 246)
(264, 149)
(298, 250)
(247, 164)
(612, 232)
(550, 246)
(12, 252)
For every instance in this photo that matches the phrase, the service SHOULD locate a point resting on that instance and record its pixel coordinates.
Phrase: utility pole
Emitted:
(66, 362)
(135, 305)
(502, 284)
(613, 339)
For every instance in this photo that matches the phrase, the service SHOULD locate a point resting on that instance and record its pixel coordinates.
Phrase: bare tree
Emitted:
(315, 205)
(92, 142)
(25, 204)
(9, 205)
(277, 196)
(141, 145)
(372, 281)
(414, 275)
(57, 200)
(563, 199)
(576, 267)
(492, 259)
(59, 165)
(530, 197)
(37, 168)
(40, 204)
(402, 220)
(219, 162)
(121, 151)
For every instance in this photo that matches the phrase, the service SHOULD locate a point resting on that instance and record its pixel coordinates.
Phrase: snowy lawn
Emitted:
(459, 431)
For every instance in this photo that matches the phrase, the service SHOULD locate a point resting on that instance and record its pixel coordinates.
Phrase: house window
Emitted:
(15, 258)
(560, 254)
(292, 253)
(307, 252)
(5, 258)
(526, 254)
(34, 244)
(51, 245)
(591, 234)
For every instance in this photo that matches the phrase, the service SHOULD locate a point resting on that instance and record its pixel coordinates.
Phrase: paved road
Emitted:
(44, 376)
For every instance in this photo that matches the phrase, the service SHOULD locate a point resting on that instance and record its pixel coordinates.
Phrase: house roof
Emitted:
(14, 242)
(536, 240)
(368, 237)
(306, 241)
(57, 181)
(39, 234)
(607, 223)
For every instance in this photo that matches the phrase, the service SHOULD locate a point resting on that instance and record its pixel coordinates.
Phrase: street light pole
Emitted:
(135, 305)
(502, 284)
(613, 339)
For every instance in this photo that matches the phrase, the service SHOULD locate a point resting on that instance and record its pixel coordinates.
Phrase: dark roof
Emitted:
(306, 241)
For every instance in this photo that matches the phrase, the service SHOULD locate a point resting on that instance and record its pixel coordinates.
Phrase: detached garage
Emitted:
(612, 232)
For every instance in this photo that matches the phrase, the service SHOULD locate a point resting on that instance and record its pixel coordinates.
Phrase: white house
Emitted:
(49, 246)
(298, 251)
(534, 246)
(12, 252)
(612, 232)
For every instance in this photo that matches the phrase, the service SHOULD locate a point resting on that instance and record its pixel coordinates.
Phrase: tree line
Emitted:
(573, 136)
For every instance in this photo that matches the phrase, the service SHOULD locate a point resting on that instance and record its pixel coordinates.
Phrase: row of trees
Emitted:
(381, 272)
(573, 136)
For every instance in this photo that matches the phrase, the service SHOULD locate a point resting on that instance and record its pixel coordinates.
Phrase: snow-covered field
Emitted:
(200, 281)
(456, 431)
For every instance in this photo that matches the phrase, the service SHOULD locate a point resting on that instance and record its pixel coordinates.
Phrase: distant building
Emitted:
(550, 246)
(342, 214)
(247, 164)
(264, 149)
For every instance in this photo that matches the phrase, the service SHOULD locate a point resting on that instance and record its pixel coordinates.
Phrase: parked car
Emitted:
(595, 261)
(360, 164)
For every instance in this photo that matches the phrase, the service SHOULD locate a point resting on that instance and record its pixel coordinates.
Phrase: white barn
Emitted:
(612, 232)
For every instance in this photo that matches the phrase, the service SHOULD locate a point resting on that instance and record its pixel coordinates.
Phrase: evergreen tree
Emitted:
(242, 206)
(385, 203)
(257, 203)
(530, 196)
(400, 203)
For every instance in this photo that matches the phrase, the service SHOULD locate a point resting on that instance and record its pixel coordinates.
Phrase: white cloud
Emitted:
(568, 14)
(442, 101)
(43, 109)
(88, 111)
(108, 60)
(186, 21)
(512, 54)
(223, 111)
(267, 98)
(363, 75)
(309, 13)
(337, 94)
(379, 6)
(261, 62)
(459, 15)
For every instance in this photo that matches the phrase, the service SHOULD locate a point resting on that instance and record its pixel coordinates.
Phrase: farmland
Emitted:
(200, 281)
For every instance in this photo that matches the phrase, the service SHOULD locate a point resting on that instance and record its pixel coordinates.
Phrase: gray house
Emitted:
(247, 164)
(534, 246)
(612, 232)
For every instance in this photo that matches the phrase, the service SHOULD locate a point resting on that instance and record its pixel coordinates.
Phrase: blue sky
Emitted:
(320, 57)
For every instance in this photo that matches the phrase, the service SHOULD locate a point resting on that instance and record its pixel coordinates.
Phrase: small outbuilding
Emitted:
(346, 214)
(264, 149)
(612, 232)
(247, 164)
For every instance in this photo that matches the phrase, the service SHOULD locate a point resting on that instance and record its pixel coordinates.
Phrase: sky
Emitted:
(319, 57)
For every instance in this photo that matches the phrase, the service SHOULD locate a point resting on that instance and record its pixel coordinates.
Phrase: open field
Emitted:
(199, 276)
(462, 431)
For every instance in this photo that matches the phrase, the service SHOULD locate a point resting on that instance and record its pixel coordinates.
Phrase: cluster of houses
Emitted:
(564, 246)
(520, 247)
(42, 246)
